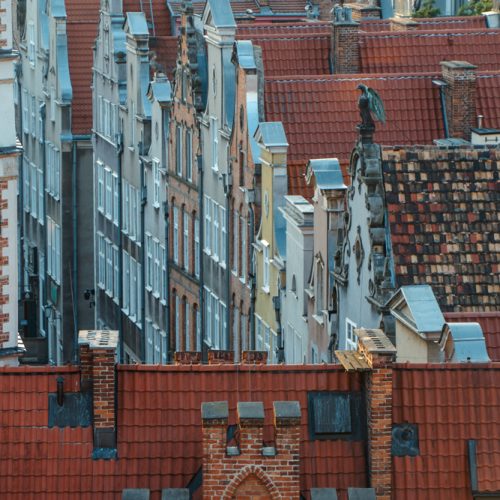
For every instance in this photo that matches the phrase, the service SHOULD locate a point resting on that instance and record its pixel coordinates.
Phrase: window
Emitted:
(175, 238)
(223, 236)
(116, 273)
(223, 331)
(178, 151)
(132, 124)
(33, 116)
(236, 244)
(139, 294)
(208, 225)
(156, 183)
(26, 122)
(125, 207)
(259, 340)
(100, 187)
(116, 199)
(156, 271)
(108, 200)
(187, 312)
(109, 267)
(149, 261)
(133, 288)
(149, 341)
(164, 351)
(101, 248)
(216, 323)
(215, 230)
(157, 344)
(54, 250)
(208, 317)
(40, 122)
(31, 43)
(163, 289)
(319, 289)
(177, 324)
(41, 198)
(34, 194)
(53, 170)
(243, 228)
(214, 133)
(185, 228)
(52, 104)
(126, 282)
(198, 330)
(189, 154)
(351, 341)
(197, 247)
(26, 190)
(265, 269)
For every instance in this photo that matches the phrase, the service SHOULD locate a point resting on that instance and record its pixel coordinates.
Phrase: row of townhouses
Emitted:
(194, 179)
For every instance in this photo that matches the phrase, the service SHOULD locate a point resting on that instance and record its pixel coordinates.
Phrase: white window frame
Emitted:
(31, 44)
(34, 190)
(156, 267)
(149, 262)
(163, 288)
(116, 197)
(208, 225)
(351, 342)
(214, 140)
(116, 273)
(108, 195)
(185, 249)
(187, 333)
(265, 266)
(244, 251)
(109, 267)
(26, 123)
(126, 282)
(156, 183)
(197, 247)
(178, 150)
(100, 186)
(215, 230)
(189, 154)
(101, 262)
(175, 236)
(236, 242)
(223, 236)
(41, 197)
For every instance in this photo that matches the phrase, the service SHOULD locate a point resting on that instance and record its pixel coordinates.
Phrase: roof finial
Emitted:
(370, 106)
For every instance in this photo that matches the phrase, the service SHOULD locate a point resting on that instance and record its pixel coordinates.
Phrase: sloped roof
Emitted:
(81, 30)
(421, 51)
(156, 12)
(165, 54)
(291, 28)
(431, 23)
(488, 98)
(490, 323)
(450, 404)
(297, 184)
(443, 216)
(295, 54)
(159, 428)
(320, 113)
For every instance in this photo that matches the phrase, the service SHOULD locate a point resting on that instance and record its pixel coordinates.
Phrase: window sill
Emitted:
(265, 289)
(156, 295)
(149, 288)
(319, 319)
(242, 280)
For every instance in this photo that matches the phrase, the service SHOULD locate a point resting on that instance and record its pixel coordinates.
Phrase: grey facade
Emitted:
(56, 194)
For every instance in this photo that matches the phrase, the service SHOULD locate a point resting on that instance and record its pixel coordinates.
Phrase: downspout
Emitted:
(167, 278)
(74, 216)
(251, 333)
(43, 114)
(119, 151)
(20, 208)
(227, 188)
(199, 161)
(143, 257)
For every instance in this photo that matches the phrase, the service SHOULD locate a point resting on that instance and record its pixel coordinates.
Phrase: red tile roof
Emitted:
(320, 114)
(297, 184)
(490, 323)
(296, 54)
(488, 98)
(450, 404)
(432, 23)
(421, 51)
(443, 215)
(159, 14)
(159, 429)
(245, 31)
(165, 53)
(81, 28)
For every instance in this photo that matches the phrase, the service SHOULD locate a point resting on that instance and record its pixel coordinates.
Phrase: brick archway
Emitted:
(245, 473)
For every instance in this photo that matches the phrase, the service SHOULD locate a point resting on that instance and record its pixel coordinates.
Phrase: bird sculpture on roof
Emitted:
(370, 106)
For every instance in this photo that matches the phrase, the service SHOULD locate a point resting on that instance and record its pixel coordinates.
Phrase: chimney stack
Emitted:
(345, 42)
(251, 469)
(379, 352)
(98, 375)
(460, 77)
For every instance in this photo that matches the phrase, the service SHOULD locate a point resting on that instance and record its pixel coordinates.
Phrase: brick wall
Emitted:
(345, 47)
(460, 97)
(250, 470)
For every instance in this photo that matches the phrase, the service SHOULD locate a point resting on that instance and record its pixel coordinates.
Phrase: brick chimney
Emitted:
(251, 469)
(379, 352)
(345, 42)
(98, 375)
(460, 77)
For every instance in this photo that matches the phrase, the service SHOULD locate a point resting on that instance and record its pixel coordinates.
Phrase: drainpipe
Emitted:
(199, 161)
(74, 216)
(251, 333)
(442, 85)
(44, 233)
(143, 259)
(20, 280)
(227, 189)
(119, 151)
(167, 279)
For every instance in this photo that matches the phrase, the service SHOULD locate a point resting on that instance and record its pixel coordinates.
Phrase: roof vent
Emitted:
(463, 342)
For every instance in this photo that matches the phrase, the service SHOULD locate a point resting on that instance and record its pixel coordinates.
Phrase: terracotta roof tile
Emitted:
(81, 38)
(247, 31)
(165, 53)
(490, 323)
(297, 184)
(421, 51)
(297, 54)
(159, 429)
(450, 405)
(488, 98)
(159, 14)
(433, 23)
(320, 114)
(443, 216)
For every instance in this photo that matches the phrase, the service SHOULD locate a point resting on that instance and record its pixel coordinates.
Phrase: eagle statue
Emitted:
(370, 106)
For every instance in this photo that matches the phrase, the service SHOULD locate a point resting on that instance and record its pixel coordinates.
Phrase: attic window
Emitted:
(336, 415)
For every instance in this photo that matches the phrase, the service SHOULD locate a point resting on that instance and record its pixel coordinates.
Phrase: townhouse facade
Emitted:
(56, 192)
(10, 150)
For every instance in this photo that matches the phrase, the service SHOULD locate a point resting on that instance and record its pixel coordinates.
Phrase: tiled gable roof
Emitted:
(443, 216)
(421, 51)
(156, 13)
(320, 114)
(431, 23)
(246, 31)
(159, 428)
(297, 185)
(165, 54)
(488, 98)
(450, 404)
(490, 324)
(81, 29)
(294, 54)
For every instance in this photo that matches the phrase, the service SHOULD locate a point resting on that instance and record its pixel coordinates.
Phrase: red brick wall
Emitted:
(345, 48)
(103, 373)
(228, 477)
